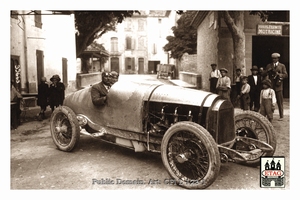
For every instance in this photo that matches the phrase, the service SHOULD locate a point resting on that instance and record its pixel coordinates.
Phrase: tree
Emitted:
(185, 36)
(235, 23)
(91, 25)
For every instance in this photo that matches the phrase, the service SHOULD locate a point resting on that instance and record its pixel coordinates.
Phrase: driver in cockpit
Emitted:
(99, 91)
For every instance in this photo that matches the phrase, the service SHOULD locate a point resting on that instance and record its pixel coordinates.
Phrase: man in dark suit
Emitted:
(254, 81)
(276, 72)
(99, 91)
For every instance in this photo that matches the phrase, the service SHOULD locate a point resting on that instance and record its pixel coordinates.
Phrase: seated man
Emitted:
(100, 90)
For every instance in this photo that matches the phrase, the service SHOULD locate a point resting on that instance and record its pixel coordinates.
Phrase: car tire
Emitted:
(64, 128)
(190, 155)
(258, 127)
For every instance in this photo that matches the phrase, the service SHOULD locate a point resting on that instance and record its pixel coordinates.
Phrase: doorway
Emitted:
(152, 67)
(114, 64)
(264, 46)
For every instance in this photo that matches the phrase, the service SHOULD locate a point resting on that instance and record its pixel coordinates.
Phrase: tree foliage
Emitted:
(185, 36)
(91, 25)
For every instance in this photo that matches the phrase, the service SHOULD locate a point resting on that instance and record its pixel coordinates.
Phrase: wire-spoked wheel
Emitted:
(190, 155)
(64, 128)
(253, 125)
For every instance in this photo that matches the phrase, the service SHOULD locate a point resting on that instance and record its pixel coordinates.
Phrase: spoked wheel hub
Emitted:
(188, 157)
(64, 128)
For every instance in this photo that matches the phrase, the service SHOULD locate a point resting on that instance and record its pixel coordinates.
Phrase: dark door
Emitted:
(114, 64)
(264, 46)
(141, 65)
(40, 65)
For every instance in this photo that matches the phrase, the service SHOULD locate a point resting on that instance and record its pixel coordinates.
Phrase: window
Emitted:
(128, 43)
(114, 44)
(38, 18)
(154, 49)
(141, 43)
(141, 25)
(128, 25)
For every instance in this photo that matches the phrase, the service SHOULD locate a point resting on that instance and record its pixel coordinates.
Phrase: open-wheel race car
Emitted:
(193, 130)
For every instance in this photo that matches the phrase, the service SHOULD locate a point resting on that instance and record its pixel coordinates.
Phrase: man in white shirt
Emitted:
(215, 74)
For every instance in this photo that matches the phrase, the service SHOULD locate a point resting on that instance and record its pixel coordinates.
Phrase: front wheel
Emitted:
(190, 155)
(64, 128)
(254, 125)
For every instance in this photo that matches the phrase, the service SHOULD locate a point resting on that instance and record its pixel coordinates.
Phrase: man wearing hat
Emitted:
(99, 91)
(56, 92)
(276, 72)
(213, 78)
(224, 85)
(113, 78)
(254, 80)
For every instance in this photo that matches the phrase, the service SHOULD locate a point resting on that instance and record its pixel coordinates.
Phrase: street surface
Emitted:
(96, 165)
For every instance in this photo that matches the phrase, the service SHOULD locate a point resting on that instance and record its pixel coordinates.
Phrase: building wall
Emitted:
(56, 39)
(148, 37)
(188, 63)
(207, 47)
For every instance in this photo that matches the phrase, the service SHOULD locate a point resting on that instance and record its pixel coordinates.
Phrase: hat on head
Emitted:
(55, 77)
(224, 70)
(254, 68)
(214, 64)
(114, 74)
(275, 55)
(267, 82)
(105, 74)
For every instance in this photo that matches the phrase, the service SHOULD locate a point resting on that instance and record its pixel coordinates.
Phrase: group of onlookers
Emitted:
(49, 94)
(259, 91)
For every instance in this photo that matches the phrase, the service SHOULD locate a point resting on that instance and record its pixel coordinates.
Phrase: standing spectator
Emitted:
(238, 84)
(15, 101)
(267, 100)
(113, 77)
(213, 78)
(254, 81)
(276, 72)
(224, 85)
(244, 94)
(43, 94)
(56, 92)
(99, 91)
(238, 81)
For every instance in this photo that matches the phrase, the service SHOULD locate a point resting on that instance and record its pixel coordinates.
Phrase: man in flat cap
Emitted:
(276, 72)
(224, 85)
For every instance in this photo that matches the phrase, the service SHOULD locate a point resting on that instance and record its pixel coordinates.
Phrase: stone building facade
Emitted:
(41, 44)
(215, 43)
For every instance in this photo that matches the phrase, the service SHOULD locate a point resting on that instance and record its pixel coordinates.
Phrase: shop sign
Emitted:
(269, 29)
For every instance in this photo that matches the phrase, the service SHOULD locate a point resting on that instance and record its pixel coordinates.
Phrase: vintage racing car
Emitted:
(193, 130)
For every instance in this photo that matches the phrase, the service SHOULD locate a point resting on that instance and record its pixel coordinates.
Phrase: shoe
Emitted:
(280, 119)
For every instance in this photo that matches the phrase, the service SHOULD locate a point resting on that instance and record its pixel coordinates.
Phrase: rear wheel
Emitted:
(190, 155)
(254, 125)
(64, 128)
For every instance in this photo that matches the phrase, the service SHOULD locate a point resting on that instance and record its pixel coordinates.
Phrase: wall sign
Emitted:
(269, 29)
